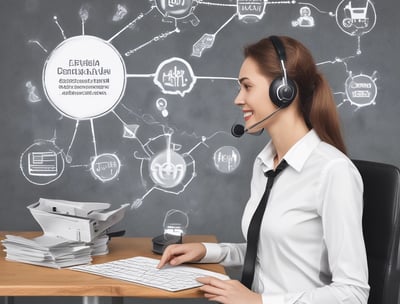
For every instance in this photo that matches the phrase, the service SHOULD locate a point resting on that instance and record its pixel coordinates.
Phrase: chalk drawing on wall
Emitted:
(161, 105)
(72, 75)
(163, 164)
(83, 85)
(226, 159)
(172, 11)
(175, 76)
(356, 18)
(246, 11)
(361, 90)
(105, 167)
(251, 11)
(32, 93)
(42, 162)
(120, 13)
(305, 19)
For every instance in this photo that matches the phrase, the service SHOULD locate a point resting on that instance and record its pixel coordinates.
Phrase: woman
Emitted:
(311, 248)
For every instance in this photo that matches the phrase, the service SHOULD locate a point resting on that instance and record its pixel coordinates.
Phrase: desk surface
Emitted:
(19, 279)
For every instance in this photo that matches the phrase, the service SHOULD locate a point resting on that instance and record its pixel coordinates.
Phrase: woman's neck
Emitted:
(286, 135)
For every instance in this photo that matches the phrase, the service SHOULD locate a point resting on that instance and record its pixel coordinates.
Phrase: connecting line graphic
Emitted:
(68, 157)
(217, 4)
(39, 44)
(154, 39)
(279, 2)
(93, 136)
(338, 60)
(55, 18)
(317, 9)
(84, 14)
(131, 24)
(217, 78)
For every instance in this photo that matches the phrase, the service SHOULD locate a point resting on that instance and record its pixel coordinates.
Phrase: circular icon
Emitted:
(361, 90)
(84, 77)
(167, 169)
(42, 163)
(174, 9)
(175, 76)
(226, 159)
(106, 167)
(356, 17)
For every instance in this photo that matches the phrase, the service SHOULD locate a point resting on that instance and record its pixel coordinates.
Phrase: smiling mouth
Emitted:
(247, 115)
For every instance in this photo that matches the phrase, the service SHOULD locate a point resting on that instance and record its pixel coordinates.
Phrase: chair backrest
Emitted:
(381, 228)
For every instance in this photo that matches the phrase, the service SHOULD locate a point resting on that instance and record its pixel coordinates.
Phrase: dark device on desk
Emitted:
(162, 241)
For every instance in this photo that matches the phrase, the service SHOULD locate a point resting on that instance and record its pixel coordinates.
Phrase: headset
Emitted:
(282, 90)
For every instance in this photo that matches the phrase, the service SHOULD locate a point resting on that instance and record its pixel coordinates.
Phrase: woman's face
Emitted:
(253, 96)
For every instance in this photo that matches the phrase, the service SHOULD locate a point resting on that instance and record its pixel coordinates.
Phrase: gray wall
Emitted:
(200, 120)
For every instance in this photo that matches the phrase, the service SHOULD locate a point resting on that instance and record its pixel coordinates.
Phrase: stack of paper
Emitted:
(46, 251)
(73, 232)
(99, 246)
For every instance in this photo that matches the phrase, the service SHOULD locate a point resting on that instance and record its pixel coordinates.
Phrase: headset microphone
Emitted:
(238, 130)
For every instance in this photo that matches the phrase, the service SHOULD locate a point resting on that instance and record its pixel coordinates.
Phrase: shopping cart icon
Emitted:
(356, 16)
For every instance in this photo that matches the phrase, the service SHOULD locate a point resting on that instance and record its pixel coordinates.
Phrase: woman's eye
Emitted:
(243, 86)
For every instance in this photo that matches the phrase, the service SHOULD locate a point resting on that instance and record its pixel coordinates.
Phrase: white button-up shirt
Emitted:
(311, 248)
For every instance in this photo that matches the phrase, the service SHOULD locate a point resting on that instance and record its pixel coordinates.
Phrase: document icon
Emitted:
(42, 163)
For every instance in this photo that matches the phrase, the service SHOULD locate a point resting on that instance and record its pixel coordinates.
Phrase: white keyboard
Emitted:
(142, 270)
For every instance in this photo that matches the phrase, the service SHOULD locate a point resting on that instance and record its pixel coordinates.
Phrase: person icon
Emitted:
(305, 19)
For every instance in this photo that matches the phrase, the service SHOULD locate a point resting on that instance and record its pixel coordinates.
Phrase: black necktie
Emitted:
(254, 228)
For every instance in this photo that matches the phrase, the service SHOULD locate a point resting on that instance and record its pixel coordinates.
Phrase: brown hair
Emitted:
(316, 101)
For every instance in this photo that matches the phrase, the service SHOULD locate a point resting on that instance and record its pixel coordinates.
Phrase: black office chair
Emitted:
(381, 227)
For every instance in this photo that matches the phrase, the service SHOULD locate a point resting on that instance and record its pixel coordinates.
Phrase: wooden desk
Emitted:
(19, 279)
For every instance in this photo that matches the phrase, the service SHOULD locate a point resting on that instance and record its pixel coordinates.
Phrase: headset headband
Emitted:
(280, 51)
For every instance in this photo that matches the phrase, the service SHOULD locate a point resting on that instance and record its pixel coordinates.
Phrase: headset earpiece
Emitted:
(282, 90)
(282, 94)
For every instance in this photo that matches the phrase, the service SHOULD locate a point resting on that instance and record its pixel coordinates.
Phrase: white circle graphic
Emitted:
(106, 167)
(167, 169)
(226, 159)
(42, 163)
(84, 77)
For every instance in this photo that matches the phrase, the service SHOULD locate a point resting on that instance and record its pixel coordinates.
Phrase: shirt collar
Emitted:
(297, 154)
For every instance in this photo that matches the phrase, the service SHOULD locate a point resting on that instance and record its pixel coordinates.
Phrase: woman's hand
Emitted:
(229, 291)
(181, 253)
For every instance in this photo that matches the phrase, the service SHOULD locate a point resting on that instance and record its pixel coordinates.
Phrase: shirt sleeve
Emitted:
(341, 214)
(228, 254)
